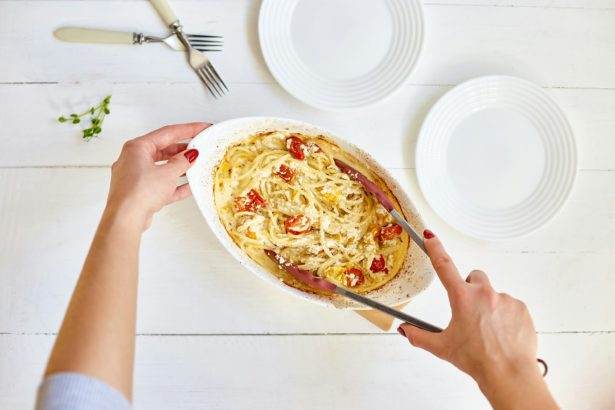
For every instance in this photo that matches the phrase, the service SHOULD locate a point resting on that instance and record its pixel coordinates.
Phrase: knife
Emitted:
(384, 200)
(317, 282)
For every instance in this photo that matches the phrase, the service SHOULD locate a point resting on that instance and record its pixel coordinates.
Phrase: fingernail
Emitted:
(401, 331)
(191, 155)
(427, 234)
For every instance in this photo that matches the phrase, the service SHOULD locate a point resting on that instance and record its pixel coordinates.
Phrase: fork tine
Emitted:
(204, 47)
(204, 81)
(206, 68)
(195, 45)
(201, 41)
(207, 50)
(212, 81)
(202, 36)
(213, 70)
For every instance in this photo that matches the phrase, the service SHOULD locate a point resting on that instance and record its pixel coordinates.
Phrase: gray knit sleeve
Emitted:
(74, 391)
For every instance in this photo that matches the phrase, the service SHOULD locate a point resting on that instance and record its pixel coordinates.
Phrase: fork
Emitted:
(202, 66)
(197, 60)
(201, 42)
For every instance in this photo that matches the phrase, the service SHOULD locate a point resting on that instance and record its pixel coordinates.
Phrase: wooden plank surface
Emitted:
(552, 46)
(315, 372)
(389, 132)
(574, 4)
(49, 216)
(582, 4)
(211, 334)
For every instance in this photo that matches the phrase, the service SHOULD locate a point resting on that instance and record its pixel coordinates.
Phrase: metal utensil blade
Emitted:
(382, 198)
(413, 234)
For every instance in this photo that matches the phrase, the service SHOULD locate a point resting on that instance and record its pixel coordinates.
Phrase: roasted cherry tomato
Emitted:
(296, 147)
(251, 202)
(285, 172)
(353, 277)
(379, 264)
(298, 224)
(391, 231)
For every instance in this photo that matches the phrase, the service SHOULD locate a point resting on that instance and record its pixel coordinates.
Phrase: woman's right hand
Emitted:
(490, 336)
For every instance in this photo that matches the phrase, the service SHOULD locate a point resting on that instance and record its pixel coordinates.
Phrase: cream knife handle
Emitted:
(164, 9)
(88, 35)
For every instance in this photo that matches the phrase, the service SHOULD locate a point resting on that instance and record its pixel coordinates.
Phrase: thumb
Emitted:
(432, 342)
(179, 163)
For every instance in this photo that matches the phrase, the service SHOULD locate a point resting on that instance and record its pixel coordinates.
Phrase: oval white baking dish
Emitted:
(416, 272)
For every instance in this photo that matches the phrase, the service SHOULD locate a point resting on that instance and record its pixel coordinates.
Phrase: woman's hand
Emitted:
(139, 186)
(490, 336)
(97, 337)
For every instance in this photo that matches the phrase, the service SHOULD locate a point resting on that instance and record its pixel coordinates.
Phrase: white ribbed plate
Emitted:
(496, 157)
(341, 54)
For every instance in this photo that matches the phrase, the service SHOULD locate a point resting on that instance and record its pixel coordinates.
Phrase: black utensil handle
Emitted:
(389, 311)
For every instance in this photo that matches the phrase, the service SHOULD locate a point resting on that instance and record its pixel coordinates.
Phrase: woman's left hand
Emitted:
(139, 186)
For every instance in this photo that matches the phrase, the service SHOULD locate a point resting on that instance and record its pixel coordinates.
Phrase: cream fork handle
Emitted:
(88, 35)
(164, 9)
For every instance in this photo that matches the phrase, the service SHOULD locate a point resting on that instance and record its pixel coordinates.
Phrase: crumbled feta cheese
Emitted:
(313, 148)
(311, 213)
(330, 243)
(306, 151)
(274, 141)
(253, 224)
(265, 172)
(314, 249)
(325, 221)
(353, 232)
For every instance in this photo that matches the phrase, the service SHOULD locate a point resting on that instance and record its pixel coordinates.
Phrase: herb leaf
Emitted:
(97, 116)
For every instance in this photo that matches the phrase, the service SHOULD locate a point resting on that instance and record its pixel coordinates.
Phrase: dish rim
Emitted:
(214, 150)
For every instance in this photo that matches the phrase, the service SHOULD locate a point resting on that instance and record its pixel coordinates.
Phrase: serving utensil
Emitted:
(317, 282)
(308, 278)
(197, 60)
(201, 42)
(384, 200)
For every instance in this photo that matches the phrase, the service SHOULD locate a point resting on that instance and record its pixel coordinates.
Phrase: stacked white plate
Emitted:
(341, 54)
(496, 157)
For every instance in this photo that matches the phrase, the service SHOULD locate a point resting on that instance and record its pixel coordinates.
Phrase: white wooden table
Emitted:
(210, 335)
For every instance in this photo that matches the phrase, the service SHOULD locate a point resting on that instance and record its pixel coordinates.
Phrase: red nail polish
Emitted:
(191, 155)
(401, 331)
(427, 234)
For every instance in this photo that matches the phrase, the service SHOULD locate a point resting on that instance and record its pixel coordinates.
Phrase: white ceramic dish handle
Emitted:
(88, 35)
(164, 9)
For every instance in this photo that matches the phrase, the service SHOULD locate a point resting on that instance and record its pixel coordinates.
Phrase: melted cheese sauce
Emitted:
(306, 210)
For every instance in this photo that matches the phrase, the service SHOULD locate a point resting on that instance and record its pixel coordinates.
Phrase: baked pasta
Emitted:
(282, 191)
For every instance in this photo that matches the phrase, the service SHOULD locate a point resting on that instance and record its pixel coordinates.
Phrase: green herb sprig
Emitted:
(97, 117)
